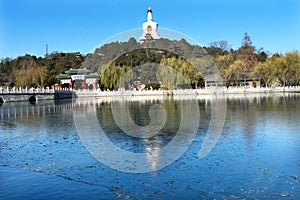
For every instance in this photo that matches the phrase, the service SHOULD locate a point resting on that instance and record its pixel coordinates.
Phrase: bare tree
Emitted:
(222, 44)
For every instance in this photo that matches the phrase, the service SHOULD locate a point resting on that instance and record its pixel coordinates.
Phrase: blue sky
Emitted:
(26, 26)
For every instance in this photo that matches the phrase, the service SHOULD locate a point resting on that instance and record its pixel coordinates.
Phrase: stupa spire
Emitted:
(149, 12)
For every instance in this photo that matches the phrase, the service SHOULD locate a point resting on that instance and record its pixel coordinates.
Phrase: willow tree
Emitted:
(267, 71)
(223, 63)
(288, 67)
(30, 76)
(39, 76)
(184, 72)
(297, 68)
(115, 75)
(235, 71)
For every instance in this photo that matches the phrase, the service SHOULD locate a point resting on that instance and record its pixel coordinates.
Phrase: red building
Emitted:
(78, 79)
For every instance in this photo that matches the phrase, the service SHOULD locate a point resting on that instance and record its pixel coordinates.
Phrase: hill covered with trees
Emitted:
(140, 60)
(30, 71)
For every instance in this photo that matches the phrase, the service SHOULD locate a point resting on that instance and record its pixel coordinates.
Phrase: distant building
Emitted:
(149, 28)
(77, 79)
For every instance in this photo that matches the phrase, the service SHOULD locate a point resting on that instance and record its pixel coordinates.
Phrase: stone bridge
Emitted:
(35, 95)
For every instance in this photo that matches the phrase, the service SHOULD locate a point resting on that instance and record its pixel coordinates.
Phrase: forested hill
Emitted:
(109, 52)
(32, 71)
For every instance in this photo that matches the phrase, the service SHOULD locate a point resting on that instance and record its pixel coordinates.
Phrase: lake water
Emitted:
(44, 156)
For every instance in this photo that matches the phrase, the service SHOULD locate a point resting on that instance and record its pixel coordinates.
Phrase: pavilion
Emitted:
(78, 79)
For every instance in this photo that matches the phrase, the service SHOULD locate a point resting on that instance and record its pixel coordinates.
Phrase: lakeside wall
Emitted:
(34, 95)
(50, 94)
(195, 92)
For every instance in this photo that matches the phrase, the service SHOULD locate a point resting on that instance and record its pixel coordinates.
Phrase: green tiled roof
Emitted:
(63, 76)
(93, 75)
(78, 71)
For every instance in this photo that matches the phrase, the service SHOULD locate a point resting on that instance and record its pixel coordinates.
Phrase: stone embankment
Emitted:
(33, 95)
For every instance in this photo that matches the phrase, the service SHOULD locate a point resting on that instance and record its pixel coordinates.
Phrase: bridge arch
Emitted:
(32, 99)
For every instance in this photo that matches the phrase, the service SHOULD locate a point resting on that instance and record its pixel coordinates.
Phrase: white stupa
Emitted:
(149, 28)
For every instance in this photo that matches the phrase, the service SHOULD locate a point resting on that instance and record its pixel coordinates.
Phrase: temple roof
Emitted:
(78, 71)
(63, 76)
(93, 75)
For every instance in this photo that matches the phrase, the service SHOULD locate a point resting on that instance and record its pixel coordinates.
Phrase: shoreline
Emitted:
(181, 93)
(197, 92)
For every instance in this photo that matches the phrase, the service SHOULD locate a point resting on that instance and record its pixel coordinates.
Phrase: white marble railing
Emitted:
(6, 90)
(25, 90)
